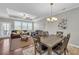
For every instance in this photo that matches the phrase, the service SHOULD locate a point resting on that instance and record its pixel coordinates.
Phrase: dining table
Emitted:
(50, 42)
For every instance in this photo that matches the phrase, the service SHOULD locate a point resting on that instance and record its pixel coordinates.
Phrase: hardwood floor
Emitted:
(73, 50)
(5, 45)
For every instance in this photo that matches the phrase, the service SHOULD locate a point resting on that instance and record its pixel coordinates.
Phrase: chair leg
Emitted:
(64, 52)
(40, 53)
(67, 50)
(35, 52)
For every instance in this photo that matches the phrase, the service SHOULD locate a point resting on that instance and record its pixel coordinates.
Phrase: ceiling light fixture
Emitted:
(51, 19)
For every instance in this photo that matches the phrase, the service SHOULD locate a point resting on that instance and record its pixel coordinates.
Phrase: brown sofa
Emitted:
(17, 38)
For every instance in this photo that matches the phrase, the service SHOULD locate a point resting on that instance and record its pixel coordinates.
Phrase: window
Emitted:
(19, 25)
(5, 29)
(29, 26)
(24, 25)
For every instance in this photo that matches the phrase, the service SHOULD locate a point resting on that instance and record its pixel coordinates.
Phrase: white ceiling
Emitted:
(38, 9)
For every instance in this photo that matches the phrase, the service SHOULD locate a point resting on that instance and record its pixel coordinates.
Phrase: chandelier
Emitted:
(51, 18)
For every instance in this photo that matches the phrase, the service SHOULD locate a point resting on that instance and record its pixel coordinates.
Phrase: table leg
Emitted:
(49, 50)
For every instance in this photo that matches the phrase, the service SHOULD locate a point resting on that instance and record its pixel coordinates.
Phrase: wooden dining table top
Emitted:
(50, 40)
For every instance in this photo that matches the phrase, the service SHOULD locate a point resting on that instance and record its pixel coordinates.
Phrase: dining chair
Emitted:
(45, 33)
(63, 48)
(38, 46)
(59, 33)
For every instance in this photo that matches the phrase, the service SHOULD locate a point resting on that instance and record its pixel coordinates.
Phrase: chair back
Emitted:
(65, 42)
(68, 36)
(37, 45)
(59, 34)
(45, 33)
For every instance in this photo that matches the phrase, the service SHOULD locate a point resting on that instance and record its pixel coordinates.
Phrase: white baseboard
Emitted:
(74, 45)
